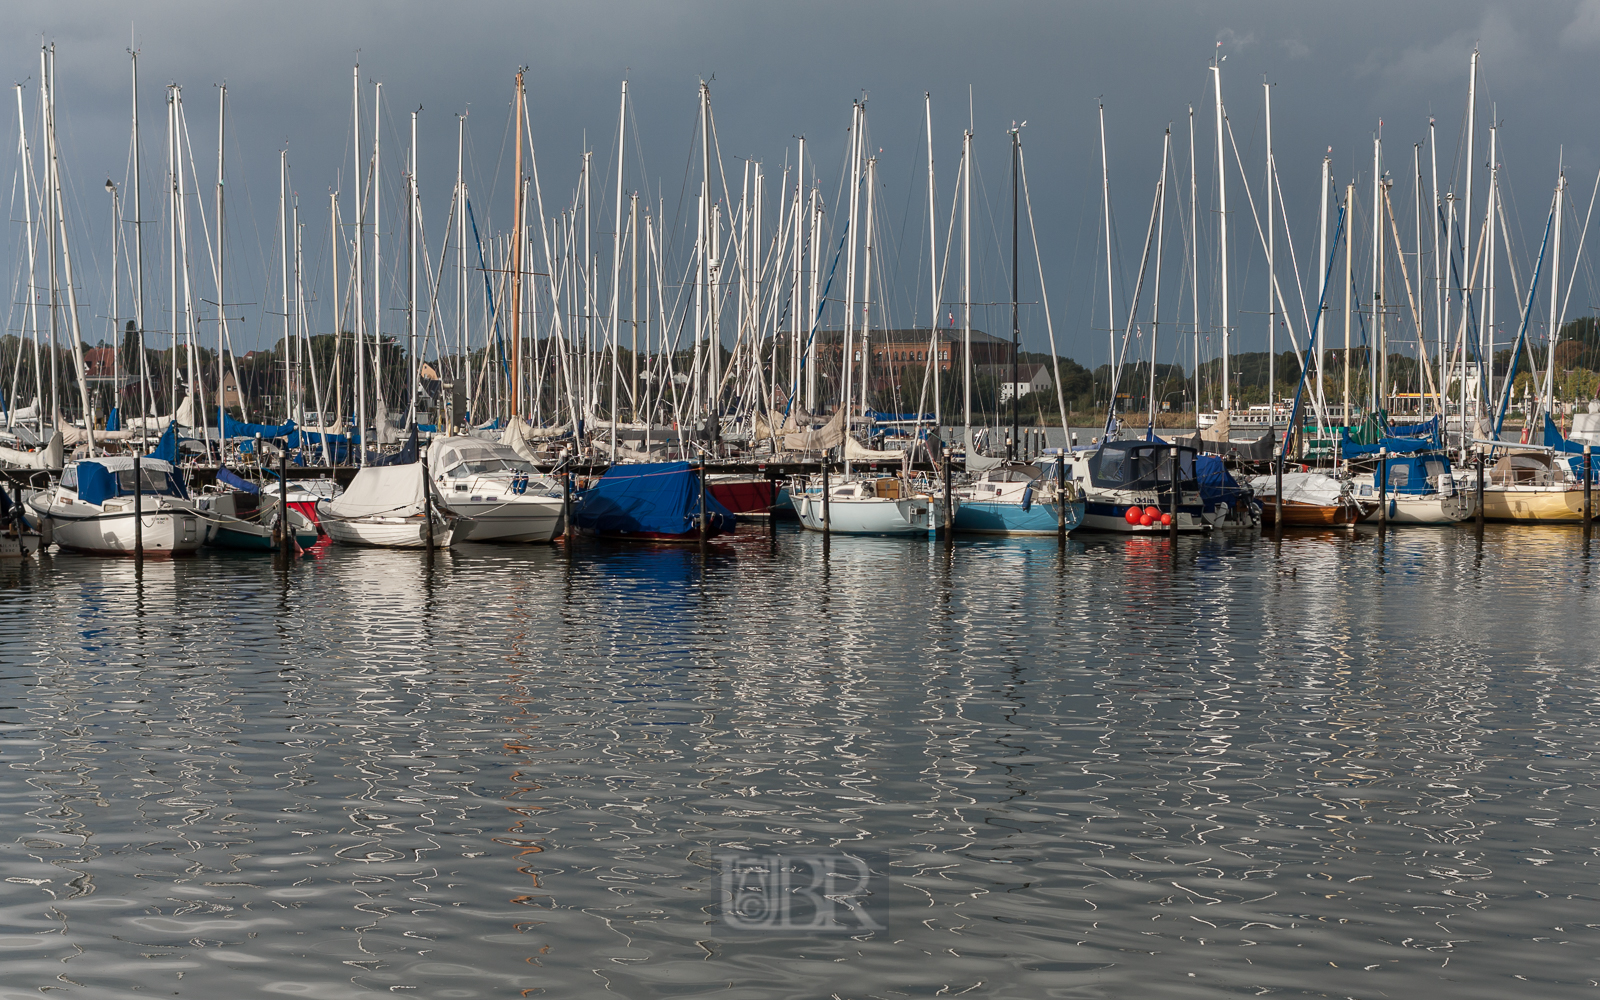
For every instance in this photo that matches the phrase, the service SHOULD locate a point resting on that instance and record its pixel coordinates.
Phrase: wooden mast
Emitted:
(516, 271)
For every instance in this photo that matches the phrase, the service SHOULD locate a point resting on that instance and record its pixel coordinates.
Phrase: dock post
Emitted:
(702, 507)
(427, 504)
(1383, 488)
(826, 525)
(1588, 480)
(1480, 494)
(949, 499)
(1061, 501)
(1177, 493)
(285, 536)
(138, 511)
(566, 511)
(772, 503)
(1277, 495)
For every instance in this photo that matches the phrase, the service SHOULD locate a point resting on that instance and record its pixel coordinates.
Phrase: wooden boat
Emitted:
(1310, 500)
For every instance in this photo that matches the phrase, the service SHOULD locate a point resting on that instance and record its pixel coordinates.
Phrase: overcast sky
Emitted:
(783, 70)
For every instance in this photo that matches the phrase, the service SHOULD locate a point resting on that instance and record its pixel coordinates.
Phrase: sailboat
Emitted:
(388, 506)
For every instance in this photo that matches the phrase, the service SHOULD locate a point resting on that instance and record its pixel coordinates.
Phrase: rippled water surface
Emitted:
(1346, 768)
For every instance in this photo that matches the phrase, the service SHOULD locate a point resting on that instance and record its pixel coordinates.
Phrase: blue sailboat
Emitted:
(1017, 499)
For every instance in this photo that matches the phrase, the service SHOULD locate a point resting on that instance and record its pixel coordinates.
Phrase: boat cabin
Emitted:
(1140, 465)
(101, 481)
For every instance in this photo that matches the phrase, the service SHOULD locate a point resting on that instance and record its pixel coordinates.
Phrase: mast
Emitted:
(1377, 363)
(1111, 309)
(283, 260)
(1155, 305)
(616, 270)
(33, 298)
(811, 313)
(377, 255)
(796, 294)
(360, 291)
(1349, 293)
(66, 256)
(1322, 277)
(411, 272)
(1555, 316)
(852, 227)
(966, 287)
(1222, 239)
(1272, 274)
(45, 98)
(1016, 327)
(1486, 335)
(633, 251)
(1441, 318)
(462, 350)
(866, 285)
(222, 300)
(933, 273)
(516, 269)
(708, 264)
(1466, 216)
(138, 266)
(1194, 261)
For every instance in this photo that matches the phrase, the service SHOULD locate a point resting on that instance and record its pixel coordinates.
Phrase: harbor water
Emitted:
(1349, 765)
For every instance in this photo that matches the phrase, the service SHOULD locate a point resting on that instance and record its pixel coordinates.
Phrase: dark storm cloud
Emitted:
(784, 70)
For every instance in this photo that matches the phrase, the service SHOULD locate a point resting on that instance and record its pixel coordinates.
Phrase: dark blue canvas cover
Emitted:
(659, 498)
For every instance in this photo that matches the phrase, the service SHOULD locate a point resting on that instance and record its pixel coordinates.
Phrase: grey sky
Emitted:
(784, 70)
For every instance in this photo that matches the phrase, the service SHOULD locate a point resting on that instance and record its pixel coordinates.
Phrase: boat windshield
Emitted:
(1139, 465)
(151, 481)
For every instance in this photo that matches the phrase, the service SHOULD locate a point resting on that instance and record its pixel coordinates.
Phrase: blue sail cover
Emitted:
(167, 447)
(407, 455)
(227, 478)
(1217, 485)
(660, 499)
(232, 429)
(114, 419)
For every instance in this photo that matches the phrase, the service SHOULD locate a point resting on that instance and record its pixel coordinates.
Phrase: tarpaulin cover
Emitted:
(226, 477)
(1426, 429)
(232, 428)
(167, 447)
(98, 481)
(1216, 483)
(114, 419)
(1554, 439)
(407, 455)
(660, 498)
(1394, 445)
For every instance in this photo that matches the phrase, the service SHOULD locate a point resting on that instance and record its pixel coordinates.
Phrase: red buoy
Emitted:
(1154, 512)
(1133, 515)
(1146, 520)
(1166, 520)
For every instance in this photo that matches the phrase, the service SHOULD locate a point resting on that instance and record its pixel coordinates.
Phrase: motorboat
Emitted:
(867, 505)
(496, 494)
(1017, 499)
(1128, 487)
(387, 506)
(91, 509)
(305, 494)
(239, 519)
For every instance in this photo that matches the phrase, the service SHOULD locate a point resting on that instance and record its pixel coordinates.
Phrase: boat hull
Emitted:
(522, 521)
(387, 533)
(1298, 514)
(989, 517)
(1426, 509)
(1534, 504)
(1100, 515)
(165, 533)
(913, 516)
(744, 496)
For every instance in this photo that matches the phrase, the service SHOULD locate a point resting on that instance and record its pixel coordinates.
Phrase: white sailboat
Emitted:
(387, 506)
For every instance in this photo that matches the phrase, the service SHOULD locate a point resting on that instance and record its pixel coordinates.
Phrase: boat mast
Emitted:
(933, 275)
(1111, 309)
(1222, 238)
(1466, 218)
(966, 288)
(413, 222)
(1486, 334)
(516, 269)
(33, 299)
(1555, 316)
(283, 260)
(1155, 305)
(1194, 261)
(462, 349)
(360, 291)
(1272, 274)
(222, 300)
(1349, 292)
(852, 228)
(1322, 278)
(1441, 318)
(377, 255)
(616, 271)
(1378, 362)
(138, 265)
(66, 256)
(45, 97)
(1016, 326)
(866, 285)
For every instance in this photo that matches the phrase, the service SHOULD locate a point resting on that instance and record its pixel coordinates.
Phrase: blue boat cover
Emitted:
(1217, 485)
(97, 479)
(227, 477)
(407, 455)
(114, 419)
(167, 447)
(232, 428)
(1553, 438)
(660, 498)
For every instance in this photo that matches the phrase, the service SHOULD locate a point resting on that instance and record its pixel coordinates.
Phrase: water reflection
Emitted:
(1271, 768)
